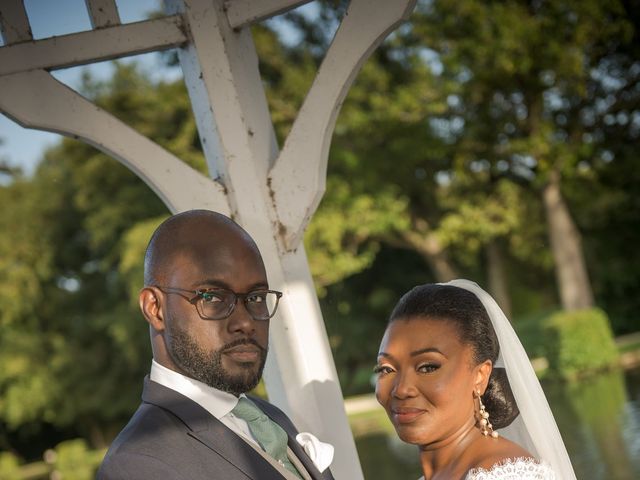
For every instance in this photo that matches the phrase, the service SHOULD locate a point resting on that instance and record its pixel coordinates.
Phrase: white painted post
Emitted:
(300, 375)
(298, 177)
(93, 45)
(14, 23)
(103, 13)
(246, 12)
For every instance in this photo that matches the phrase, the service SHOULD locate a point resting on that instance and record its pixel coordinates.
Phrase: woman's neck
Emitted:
(444, 455)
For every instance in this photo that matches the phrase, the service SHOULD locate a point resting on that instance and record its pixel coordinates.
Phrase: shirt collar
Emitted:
(216, 402)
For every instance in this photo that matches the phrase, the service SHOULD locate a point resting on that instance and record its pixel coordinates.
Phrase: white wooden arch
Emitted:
(272, 193)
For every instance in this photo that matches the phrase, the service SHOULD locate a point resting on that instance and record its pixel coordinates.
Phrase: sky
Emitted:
(24, 147)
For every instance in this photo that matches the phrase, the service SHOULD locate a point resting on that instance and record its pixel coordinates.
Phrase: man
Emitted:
(208, 305)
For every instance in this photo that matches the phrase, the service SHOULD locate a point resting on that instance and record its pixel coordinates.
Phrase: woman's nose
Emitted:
(404, 386)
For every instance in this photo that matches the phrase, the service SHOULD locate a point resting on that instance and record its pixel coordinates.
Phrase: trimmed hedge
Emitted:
(579, 343)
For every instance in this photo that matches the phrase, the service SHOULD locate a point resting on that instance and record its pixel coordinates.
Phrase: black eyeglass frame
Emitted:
(200, 294)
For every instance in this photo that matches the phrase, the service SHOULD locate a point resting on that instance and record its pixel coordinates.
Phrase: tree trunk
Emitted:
(498, 277)
(421, 239)
(566, 246)
(430, 248)
(437, 258)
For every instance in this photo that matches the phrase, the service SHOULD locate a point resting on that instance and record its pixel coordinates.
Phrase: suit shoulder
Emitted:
(147, 429)
(147, 447)
(136, 466)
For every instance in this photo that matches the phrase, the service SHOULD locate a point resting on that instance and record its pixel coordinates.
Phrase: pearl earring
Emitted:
(485, 426)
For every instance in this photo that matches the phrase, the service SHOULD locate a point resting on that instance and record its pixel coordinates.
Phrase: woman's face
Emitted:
(426, 379)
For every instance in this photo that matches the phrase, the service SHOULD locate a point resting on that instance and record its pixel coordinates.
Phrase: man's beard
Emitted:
(207, 368)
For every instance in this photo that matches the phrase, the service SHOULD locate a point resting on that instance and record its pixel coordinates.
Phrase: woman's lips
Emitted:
(406, 414)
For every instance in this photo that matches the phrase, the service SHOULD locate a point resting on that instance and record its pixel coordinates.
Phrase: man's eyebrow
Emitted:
(258, 286)
(221, 284)
(213, 283)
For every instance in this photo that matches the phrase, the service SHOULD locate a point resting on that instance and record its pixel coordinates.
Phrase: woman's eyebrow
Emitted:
(414, 353)
(426, 350)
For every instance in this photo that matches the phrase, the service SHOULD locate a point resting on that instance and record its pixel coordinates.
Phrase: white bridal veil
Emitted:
(535, 428)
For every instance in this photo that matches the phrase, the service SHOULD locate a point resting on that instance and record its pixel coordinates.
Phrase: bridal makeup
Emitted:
(425, 380)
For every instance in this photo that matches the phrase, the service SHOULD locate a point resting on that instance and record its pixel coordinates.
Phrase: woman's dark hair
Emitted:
(462, 308)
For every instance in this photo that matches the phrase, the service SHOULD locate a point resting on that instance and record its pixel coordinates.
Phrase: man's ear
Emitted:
(151, 308)
(483, 372)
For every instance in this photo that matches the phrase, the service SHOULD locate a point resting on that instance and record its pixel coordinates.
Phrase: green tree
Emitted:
(470, 97)
(528, 75)
(478, 121)
(74, 346)
(394, 140)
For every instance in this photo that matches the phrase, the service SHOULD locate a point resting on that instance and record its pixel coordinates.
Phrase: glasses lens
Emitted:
(262, 305)
(216, 304)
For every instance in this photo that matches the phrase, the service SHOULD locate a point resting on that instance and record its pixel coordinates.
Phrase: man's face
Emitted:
(227, 354)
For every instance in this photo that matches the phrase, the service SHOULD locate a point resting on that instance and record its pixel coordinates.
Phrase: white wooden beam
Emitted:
(220, 68)
(297, 179)
(37, 100)
(245, 12)
(103, 13)
(14, 23)
(93, 46)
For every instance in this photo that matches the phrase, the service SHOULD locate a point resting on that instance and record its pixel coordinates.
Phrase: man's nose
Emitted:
(240, 320)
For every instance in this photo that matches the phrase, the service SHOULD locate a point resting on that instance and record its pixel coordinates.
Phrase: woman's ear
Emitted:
(482, 374)
(151, 308)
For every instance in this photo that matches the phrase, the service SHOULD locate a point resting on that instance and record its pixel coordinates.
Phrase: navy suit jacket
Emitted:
(171, 437)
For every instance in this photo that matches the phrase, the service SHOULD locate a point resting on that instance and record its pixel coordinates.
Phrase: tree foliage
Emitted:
(73, 345)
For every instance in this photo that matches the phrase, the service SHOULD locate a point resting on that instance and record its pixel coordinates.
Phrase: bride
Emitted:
(455, 380)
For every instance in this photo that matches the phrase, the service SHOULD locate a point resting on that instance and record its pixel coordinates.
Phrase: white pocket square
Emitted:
(321, 453)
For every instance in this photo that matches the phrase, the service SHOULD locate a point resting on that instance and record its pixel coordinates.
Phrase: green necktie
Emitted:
(271, 437)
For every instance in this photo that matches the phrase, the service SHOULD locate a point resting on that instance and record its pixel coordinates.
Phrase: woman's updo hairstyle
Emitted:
(466, 312)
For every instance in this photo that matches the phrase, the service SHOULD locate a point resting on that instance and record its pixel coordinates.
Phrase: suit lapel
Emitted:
(208, 430)
(233, 449)
(277, 416)
(304, 458)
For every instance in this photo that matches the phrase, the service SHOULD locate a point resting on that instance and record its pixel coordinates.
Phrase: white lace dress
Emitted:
(514, 469)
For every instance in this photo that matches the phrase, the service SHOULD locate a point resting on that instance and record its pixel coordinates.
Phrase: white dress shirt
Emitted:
(219, 404)
(216, 402)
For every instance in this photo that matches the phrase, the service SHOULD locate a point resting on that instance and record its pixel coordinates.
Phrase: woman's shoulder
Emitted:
(487, 452)
(526, 468)
(504, 459)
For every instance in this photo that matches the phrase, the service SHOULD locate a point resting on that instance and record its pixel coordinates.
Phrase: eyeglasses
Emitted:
(219, 303)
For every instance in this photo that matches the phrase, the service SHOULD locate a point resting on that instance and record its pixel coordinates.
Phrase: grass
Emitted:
(630, 347)
(370, 422)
